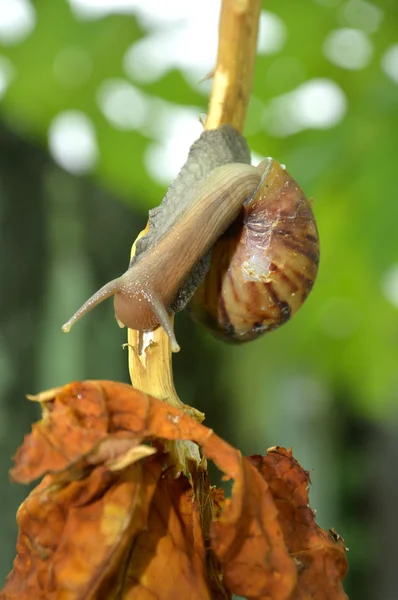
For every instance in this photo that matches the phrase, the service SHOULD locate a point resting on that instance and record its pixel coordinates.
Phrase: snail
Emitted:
(173, 257)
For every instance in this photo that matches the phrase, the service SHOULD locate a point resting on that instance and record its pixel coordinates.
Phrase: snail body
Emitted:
(264, 266)
(247, 290)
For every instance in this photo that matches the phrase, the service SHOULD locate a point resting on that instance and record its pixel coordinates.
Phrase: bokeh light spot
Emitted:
(316, 104)
(152, 57)
(95, 9)
(179, 126)
(389, 285)
(389, 63)
(151, 14)
(348, 48)
(362, 15)
(272, 33)
(7, 74)
(72, 142)
(17, 21)
(172, 127)
(124, 105)
(320, 103)
(171, 28)
(257, 158)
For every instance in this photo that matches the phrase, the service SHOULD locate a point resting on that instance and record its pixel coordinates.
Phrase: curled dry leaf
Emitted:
(319, 556)
(110, 520)
(74, 535)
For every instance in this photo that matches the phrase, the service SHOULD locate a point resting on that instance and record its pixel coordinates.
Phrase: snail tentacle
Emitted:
(107, 290)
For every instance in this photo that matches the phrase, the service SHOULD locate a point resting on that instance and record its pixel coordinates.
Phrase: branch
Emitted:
(233, 76)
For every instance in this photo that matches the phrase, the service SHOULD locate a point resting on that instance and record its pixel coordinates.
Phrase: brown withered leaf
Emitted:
(172, 550)
(73, 535)
(75, 420)
(320, 556)
(248, 541)
(110, 521)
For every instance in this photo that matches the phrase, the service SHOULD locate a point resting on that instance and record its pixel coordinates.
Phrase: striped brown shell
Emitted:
(264, 266)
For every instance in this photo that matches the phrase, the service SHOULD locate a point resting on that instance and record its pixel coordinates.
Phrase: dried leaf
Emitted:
(170, 555)
(73, 423)
(73, 535)
(108, 520)
(249, 543)
(320, 556)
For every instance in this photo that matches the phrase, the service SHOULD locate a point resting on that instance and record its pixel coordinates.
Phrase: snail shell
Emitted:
(264, 266)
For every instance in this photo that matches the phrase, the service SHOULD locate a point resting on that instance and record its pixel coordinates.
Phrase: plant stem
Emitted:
(233, 76)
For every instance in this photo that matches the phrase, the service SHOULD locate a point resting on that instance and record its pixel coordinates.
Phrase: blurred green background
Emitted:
(99, 103)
